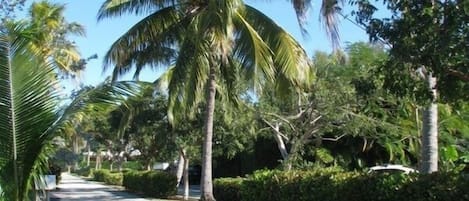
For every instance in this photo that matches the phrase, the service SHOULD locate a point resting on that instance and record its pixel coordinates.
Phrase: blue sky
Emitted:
(100, 35)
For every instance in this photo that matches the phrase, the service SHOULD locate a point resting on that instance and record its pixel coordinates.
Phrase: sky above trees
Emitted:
(100, 35)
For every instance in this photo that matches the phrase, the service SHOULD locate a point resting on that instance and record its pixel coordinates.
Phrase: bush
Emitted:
(332, 185)
(229, 189)
(98, 175)
(108, 177)
(151, 183)
(84, 171)
(113, 178)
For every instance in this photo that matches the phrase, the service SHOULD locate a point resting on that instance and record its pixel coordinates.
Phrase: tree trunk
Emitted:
(281, 147)
(206, 183)
(186, 177)
(76, 149)
(429, 154)
(180, 167)
(148, 164)
(88, 158)
(280, 143)
(98, 160)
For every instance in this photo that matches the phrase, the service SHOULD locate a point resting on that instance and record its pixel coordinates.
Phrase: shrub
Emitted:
(331, 185)
(98, 175)
(151, 183)
(108, 177)
(113, 178)
(228, 189)
(84, 171)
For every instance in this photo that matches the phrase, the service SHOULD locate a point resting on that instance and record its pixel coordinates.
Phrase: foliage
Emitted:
(49, 33)
(227, 189)
(99, 175)
(8, 8)
(212, 45)
(114, 178)
(151, 183)
(64, 157)
(334, 185)
(428, 34)
(28, 115)
(148, 128)
(83, 171)
(108, 177)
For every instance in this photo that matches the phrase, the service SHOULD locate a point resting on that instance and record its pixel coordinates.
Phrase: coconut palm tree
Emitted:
(50, 30)
(29, 114)
(212, 44)
(27, 110)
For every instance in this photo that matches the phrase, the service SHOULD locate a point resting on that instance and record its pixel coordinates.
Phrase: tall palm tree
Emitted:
(29, 112)
(49, 31)
(212, 44)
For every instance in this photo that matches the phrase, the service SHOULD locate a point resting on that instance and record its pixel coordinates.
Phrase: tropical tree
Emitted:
(27, 114)
(49, 32)
(429, 44)
(30, 116)
(211, 44)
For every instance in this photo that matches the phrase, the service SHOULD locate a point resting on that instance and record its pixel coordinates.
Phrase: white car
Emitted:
(392, 168)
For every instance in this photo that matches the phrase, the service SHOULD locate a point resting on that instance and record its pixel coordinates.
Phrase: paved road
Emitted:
(73, 188)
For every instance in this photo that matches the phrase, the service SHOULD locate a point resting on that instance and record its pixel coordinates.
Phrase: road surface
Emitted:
(73, 188)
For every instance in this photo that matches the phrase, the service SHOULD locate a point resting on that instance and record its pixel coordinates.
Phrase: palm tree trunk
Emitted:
(429, 150)
(180, 167)
(186, 177)
(76, 149)
(206, 184)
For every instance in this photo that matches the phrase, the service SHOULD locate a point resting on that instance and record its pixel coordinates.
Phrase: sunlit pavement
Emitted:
(73, 188)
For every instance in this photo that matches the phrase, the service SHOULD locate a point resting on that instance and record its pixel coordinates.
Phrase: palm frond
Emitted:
(330, 10)
(291, 63)
(28, 108)
(161, 28)
(162, 82)
(117, 8)
(252, 52)
(187, 84)
(301, 8)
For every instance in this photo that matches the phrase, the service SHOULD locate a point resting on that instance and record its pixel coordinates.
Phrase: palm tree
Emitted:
(29, 112)
(212, 44)
(329, 16)
(50, 31)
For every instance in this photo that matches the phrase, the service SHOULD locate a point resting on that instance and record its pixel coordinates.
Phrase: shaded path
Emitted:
(73, 188)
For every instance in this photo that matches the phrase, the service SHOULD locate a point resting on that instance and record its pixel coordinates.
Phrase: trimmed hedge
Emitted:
(332, 185)
(108, 177)
(114, 179)
(228, 188)
(98, 175)
(84, 171)
(151, 183)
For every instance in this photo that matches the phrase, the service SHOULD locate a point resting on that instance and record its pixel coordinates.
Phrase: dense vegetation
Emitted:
(239, 88)
(336, 185)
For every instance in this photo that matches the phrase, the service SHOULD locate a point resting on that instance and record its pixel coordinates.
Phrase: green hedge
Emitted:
(228, 188)
(98, 175)
(108, 177)
(114, 179)
(84, 171)
(332, 185)
(151, 183)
